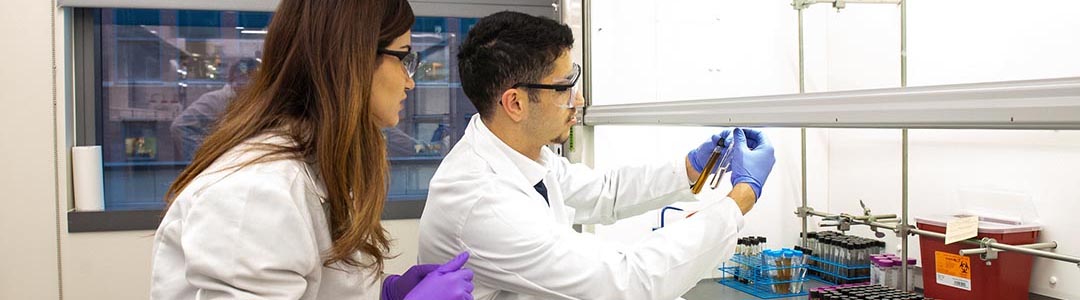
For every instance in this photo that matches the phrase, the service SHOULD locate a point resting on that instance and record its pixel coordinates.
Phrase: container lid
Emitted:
(986, 225)
(887, 262)
(882, 262)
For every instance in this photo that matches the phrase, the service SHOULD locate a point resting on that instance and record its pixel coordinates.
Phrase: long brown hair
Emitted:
(314, 87)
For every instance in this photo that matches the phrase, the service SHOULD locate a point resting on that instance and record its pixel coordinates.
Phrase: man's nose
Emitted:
(579, 100)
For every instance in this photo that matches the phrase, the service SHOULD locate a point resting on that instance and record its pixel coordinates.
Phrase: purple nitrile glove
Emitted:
(752, 159)
(395, 287)
(701, 154)
(449, 282)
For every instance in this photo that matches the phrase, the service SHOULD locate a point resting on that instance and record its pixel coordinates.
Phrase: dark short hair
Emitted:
(243, 67)
(506, 48)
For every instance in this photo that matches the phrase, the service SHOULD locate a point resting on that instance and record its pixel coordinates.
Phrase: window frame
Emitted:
(88, 116)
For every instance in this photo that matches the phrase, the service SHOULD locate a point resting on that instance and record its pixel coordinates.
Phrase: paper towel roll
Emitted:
(88, 178)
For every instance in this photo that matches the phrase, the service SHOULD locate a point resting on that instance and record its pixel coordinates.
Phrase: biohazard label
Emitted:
(953, 270)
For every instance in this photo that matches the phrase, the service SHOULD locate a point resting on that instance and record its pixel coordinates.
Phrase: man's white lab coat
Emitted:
(482, 200)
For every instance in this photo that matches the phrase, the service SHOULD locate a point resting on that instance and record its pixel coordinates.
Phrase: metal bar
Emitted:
(586, 54)
(999, 246)
(1028, 104)
(802, 89)
(904, 211)
(886, 216)
(586, 132)
(1040, 253)
(904, 226)
(802, 59)
(805, 218)
(811, 2)
(903, 44)
(439, 8)
(1038, 246)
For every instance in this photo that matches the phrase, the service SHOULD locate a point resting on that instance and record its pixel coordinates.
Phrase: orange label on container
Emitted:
(953, 270)
(953, 264)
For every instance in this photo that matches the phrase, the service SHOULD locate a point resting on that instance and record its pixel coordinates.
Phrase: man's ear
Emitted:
(513, 103)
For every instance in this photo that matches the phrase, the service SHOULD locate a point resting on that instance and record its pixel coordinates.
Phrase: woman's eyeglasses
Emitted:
(411, 60)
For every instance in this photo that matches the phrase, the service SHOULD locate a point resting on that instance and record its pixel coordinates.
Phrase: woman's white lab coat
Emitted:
(482, 200)
(256, 232)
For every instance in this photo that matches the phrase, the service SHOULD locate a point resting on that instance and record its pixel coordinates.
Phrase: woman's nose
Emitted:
(410, 84)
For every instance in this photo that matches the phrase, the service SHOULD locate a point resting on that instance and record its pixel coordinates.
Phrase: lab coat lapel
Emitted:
(484, 146)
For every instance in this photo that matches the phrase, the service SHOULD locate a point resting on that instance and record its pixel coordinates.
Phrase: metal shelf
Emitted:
(1027, 104)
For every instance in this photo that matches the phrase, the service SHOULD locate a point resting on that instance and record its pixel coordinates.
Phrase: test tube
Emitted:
(873, 272)
(753, 245)
(841, 260)
(740, 251)
(799, 262)
(864, 258)
(785, 273)
(833, 248)
(890, 273)
(772, 261)
(911, 274)
(811, 243)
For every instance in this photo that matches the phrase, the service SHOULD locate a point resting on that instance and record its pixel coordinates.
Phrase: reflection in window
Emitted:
(167, 75)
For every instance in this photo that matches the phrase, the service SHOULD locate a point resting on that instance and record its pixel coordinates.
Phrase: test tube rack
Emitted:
(832, 272)
(750, 274)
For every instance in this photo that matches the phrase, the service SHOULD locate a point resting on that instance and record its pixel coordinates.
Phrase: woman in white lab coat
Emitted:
(283, 200)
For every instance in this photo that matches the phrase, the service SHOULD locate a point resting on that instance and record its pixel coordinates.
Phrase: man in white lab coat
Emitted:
(511, 203)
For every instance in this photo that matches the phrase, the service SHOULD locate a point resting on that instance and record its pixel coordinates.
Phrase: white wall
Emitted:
(962, 42)
(650, 51)
(28, 257)
(956, 41)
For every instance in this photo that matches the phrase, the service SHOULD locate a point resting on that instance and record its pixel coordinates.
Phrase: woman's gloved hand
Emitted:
(395, 287)
(447, 282)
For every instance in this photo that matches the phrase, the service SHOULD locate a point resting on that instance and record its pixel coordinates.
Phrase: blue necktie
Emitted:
(542, 189)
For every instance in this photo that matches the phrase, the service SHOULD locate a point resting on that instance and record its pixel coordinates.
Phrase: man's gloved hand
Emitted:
(752, 159)
(701, 154)
(448, 282)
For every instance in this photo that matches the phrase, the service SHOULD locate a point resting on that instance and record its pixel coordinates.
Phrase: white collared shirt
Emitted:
(482, 200)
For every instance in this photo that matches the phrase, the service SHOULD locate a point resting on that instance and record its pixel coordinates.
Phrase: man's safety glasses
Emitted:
(570, 87)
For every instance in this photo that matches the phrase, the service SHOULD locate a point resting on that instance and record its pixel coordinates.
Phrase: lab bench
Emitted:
(709, 289)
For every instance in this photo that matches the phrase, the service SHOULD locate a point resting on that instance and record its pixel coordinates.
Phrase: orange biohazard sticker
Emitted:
(953, 270)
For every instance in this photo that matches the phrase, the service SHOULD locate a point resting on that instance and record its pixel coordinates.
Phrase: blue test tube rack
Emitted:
(750, 274)
(831, 272)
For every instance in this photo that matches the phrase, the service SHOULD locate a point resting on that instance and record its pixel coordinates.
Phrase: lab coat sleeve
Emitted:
(515, 249)
(602, 197)
(250, 237)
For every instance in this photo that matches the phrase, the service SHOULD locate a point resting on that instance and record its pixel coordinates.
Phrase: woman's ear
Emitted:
(513, 103)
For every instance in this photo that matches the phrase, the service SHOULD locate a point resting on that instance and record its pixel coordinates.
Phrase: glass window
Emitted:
(435, 113)
(166, 76)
